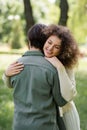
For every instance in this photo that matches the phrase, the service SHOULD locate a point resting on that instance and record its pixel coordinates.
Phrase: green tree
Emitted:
(64, 7)
(69, 13)
(28, 14)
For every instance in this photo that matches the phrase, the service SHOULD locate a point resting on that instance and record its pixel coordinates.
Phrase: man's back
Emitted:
(36, 89)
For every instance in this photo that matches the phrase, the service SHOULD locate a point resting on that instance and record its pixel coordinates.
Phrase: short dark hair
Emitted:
(36, 37)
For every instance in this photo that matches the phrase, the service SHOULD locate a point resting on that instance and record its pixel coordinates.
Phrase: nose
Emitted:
(50, 47)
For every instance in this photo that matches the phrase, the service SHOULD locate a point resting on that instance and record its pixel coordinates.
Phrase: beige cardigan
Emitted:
(67, 87)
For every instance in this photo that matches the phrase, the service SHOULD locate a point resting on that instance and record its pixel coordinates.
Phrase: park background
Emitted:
(16, 17)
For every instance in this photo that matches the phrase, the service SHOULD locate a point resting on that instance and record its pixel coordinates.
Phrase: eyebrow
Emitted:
(52, 41)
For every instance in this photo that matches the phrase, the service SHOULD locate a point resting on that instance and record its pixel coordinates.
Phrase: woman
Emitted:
(61, 50)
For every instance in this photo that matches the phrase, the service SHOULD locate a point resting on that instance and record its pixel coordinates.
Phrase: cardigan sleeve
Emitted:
(6, 81)
(67, 83)
(59, 99)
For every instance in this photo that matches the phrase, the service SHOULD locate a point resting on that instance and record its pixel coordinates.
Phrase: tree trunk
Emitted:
(28, 14)
(63, 12)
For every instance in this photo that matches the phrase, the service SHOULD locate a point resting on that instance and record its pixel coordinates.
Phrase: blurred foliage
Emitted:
(81, 83)
(16, 39)
(12, 23)
(78, 19)
(12, 20)
(45, 11)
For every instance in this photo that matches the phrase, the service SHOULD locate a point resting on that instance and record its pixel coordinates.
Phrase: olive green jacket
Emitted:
(36, 94)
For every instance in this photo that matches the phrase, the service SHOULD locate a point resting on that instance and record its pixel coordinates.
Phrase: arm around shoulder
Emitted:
(60, 101)
(6, 81)
(67, 83)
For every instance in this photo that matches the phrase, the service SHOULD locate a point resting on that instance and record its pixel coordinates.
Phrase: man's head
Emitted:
(36, 37)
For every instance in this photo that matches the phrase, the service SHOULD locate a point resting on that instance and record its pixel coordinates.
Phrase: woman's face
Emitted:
(52, 46)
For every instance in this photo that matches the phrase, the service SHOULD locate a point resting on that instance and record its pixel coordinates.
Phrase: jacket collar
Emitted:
(33, 53)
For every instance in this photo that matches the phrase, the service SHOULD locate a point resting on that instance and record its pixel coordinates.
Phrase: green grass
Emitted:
(81, 99)
(6, 100)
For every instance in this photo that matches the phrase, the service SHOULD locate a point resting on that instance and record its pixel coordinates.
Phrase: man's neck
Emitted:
(34, 49)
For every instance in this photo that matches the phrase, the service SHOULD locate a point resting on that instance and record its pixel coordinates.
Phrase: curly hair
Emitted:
(69, 51)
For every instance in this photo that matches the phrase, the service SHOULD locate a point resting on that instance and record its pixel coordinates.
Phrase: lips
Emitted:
(48, 53)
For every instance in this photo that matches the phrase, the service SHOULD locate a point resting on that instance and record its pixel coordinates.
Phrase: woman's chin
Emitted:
(48, 56)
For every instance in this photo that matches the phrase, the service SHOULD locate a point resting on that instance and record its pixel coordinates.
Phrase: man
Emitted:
(36, 88)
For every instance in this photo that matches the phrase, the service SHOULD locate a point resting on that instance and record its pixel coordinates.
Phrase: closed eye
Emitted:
(50, 42)
(57, 47)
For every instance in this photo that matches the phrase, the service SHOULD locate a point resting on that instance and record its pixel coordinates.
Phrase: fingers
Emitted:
(15, 72)
(14, 68)
(16, 65)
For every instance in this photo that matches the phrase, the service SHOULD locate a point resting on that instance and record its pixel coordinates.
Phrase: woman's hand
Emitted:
(55, 62)
(14, 68)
